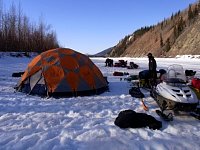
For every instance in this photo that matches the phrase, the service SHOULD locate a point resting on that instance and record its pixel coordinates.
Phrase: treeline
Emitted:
(17, 33)
(180, 23)
(192, 14)
(128, 40)
(141, 31)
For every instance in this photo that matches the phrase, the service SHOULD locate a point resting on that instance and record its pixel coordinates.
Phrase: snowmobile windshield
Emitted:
(176, 75)
(175, 82)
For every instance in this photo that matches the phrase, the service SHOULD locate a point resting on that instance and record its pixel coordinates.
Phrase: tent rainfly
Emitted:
(62, 72)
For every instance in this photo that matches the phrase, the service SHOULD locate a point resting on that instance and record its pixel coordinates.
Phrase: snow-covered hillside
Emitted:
(87, 123)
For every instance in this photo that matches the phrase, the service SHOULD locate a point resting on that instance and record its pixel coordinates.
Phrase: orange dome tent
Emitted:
(62, 72)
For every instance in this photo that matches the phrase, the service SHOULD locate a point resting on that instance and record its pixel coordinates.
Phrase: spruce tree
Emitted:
(190, 13)
(167, 45)
(161, 40)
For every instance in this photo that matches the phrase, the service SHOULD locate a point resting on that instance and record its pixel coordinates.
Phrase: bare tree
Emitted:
(17, 33)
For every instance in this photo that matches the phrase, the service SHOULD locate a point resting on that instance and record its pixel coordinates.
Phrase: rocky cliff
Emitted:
(177, 35)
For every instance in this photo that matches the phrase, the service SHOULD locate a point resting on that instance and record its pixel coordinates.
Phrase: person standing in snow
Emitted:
(152, 68)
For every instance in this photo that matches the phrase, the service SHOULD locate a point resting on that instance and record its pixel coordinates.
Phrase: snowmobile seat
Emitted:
(190, 72)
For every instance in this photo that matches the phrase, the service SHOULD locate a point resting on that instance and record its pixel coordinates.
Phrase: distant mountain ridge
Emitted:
(104, 53)
(177, 35)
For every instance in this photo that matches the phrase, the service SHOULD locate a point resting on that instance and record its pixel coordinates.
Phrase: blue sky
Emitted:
(90, 26)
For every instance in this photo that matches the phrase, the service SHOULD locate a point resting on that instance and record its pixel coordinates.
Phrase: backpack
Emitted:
(135, 92)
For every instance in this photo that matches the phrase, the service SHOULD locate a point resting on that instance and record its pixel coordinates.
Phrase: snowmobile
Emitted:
(174, 94)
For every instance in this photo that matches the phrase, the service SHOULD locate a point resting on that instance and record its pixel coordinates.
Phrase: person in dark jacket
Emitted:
(152, 68)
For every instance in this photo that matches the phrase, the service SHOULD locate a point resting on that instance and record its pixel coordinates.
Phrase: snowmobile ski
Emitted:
(196, 116)
(165, 117)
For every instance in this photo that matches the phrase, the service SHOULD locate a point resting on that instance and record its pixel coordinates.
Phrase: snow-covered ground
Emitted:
(87, 123)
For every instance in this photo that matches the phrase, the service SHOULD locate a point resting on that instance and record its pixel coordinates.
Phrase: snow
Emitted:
(87, 123)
